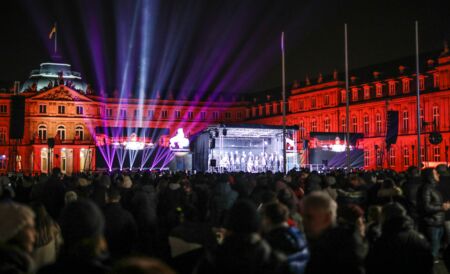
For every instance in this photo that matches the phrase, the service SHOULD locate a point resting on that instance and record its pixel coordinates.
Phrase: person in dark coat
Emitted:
(410, 188)
(400, 249)
(120, 226)
(243, 249)
(444, 189)
(53, 194)
(84, 248)
(333, 248)
(431, 210)
(222, 199)
(285, 239)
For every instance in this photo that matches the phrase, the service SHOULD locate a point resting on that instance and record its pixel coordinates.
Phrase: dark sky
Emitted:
(211, 46)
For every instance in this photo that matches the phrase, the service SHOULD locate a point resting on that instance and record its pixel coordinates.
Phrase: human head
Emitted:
(113, 195)
(243, 218)
(17, 226)
(430, 174)
(274, 214)
(319, 213)
(141, 265)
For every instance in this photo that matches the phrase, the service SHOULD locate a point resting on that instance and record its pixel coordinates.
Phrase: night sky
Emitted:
(211, 46)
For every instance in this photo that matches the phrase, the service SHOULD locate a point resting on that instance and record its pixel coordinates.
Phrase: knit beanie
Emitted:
(81, 219)
(14, 217)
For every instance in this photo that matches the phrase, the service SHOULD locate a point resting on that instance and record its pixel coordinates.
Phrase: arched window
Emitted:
(61, 131)
(79, 133)
(314, 125)
(326, 124)
(366, 124)
(378, 123)
(355, 124)
(42, 132)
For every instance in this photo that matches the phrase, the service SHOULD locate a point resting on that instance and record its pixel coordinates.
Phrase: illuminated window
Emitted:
(378, 123)
(313, 102)
(301, 126)
(355, 124)
(326, 124)
(437, 154)
(406, 85)
(61, 109)
(123, 113)
(379, 90)
(366, 158)
(42, 132)
(61, 131)
(164, 114)
(177, 114)
(405, 127)
(354, 94)
(314, 125)
(227, 115)
(203, 116)
(136, 113)
(2, 135)
(405, 156)
(343, 96)
(422, 118)
(79, 110)
(190, 115)
(108, 112)
(343, 124)
(42, 108)
(422, 154)
(3, 109)
(301, 105)
(436, 116)
(215, 115)
(366, 124)
(392, 157)
(379, 157)
(79, 133)
(436, 80)
(150, 114)
(326, 100)
(392, 88)
(421, 83)
(366, 92)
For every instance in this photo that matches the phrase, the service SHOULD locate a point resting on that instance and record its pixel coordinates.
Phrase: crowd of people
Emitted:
(300, 222)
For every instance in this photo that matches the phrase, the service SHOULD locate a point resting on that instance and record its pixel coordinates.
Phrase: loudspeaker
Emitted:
(212, 143)
(392, 127)
(51, 142)
(17, 120)
(212, 162)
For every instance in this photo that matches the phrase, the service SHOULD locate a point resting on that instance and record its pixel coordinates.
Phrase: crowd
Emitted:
(302, 222)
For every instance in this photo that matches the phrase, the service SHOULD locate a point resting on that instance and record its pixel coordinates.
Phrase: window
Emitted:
(343, 96)
(3, 109)
(366, 92)
(79, 110)
(227, 115)
(314, 125)
(269, 109)
(215, 115)
(379, 157)
(61, 109)
(422, 154)
(436, 116)
(61, 131)
(136, 113)
(366, 158)
(2, 135)
(190, 115)
(239, 115)
(421, 83)
(392, 88)
(203, 116)
(2, 163)
(405, 127)
(437, 154)
(406, 87)
(422, 118)
(378, 123)
(177, 114)
(164, 114)
(313, 102)
(355, 124)
(42, 108)
(326, 124)
(253, 111)
(326, 100)
(392, 157)
(405, 156)
(42, 132)
(79, 133)
(354, 94)
(108, 112)
(366, 124)
(343, 124)
(123, 113)
(379, 90)
(150, 114)
(436, 80)
(301, 105)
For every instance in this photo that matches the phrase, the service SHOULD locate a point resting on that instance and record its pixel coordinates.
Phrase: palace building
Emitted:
(55, 120)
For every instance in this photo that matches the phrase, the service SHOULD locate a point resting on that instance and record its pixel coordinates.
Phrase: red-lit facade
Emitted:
(320, 107)
(72, 116)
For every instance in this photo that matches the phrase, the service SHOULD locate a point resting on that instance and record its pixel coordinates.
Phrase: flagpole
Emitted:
(347, 103)
(283, 78)
(418, 95)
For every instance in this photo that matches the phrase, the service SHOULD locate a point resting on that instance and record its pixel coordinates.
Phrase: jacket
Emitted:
(429, 202)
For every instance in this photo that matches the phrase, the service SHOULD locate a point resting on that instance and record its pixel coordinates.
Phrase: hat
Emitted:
(392, 211)
(243, 217)
(13, 218)
(80, 220)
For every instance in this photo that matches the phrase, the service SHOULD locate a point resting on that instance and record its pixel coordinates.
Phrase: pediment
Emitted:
(61, 93)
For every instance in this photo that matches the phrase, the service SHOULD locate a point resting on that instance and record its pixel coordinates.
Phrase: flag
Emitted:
(53, 31)
(282, 41)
